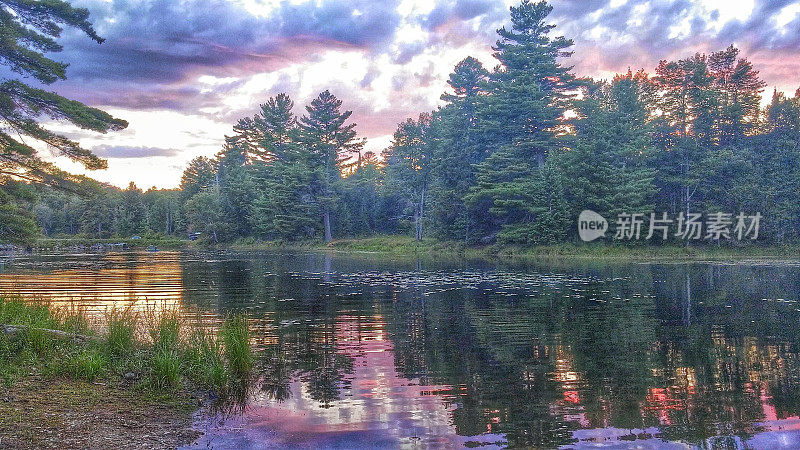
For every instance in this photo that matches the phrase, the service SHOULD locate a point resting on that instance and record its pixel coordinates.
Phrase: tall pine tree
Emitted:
(28, 29)
(330, 142)
(522, 117)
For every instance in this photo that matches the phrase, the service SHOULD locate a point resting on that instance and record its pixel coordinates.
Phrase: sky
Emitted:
(182, 72)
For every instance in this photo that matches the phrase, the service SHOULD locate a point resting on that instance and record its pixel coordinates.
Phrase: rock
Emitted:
(130, 376)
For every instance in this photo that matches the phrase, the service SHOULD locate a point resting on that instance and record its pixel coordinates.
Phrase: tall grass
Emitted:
(121, 331)
(203, 360)
(86, 364)
(165, 363)
(169, 360)
(236, 338)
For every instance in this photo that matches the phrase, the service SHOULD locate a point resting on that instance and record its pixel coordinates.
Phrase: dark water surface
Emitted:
(359, 351)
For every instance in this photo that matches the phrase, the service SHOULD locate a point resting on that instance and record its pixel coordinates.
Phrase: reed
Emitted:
(169, 360)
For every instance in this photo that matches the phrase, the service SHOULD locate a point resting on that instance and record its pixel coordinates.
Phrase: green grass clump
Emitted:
(73, 320)
(220, 362)
(85, 364)
(166, 332)
(16, 312)
(165, 366)
(121, 335)
(236, 339)
(165, 362)
(203, 360)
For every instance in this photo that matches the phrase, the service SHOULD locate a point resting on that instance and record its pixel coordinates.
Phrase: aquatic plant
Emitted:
(203, 360)
(236, 338)
(62, 343)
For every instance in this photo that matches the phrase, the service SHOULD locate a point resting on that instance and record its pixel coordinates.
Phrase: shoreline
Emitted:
(400, 246)
(58, 412)
(69, 383)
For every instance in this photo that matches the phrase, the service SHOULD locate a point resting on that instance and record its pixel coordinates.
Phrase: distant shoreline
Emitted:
(406, 246)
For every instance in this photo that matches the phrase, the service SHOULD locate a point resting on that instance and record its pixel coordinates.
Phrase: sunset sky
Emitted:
(183, 72)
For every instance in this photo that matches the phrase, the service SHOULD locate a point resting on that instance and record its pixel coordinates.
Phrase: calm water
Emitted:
(366, 352)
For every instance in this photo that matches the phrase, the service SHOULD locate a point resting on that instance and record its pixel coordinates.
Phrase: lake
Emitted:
(365, 351)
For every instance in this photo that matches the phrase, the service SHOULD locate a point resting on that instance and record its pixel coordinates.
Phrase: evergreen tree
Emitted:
(235, 183)
(362, 202)
(163, 211)
(17, 224)
(200, 174)
(409, 167)
(329, 143)
(204, 213)
(283, 207)
(264, 136)
(707, 106)
(608, 166)
(132, 214)
(27, 30)
(522, 115)
(456, 147)
(739, 91)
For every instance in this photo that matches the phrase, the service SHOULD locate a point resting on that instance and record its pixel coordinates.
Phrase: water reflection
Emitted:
(393, 353)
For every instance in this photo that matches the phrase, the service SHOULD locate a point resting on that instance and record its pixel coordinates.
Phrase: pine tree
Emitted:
(522, 115)
(205, 214)
(409, 167)
(608, 165)
(132, 213)
(27, 30)
(456, 147)
(329, 143)
(265, 136)
(739, 89)
(17, 223)
(235, 181)
(200, 174)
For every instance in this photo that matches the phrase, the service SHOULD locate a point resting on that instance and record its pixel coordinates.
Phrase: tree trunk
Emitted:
(417, 232)
(326, 220)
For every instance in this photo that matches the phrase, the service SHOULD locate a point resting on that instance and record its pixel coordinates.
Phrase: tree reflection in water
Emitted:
(537, 354)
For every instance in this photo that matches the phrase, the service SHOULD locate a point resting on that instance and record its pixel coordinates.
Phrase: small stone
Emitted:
(130, 376)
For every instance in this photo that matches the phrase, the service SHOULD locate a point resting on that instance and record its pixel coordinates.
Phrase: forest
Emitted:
(512, 156)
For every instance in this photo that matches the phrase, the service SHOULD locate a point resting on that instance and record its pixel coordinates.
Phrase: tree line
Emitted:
(512, 156)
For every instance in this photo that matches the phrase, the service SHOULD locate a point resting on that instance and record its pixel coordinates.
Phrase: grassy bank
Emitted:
(397, 246)
(62, 343)
(406, 246)
(157, 241)
(169, 366)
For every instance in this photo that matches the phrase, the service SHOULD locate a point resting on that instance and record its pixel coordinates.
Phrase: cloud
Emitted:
(124, 152)
(459, 11)
(165, 41)
(610, 37)
(168, 66)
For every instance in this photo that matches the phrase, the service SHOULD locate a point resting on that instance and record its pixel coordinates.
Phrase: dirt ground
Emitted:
(63, 414)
